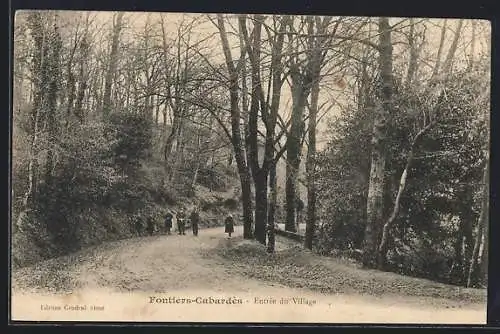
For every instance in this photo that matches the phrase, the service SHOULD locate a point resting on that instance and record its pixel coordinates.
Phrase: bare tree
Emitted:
(83, 74)
(113, 62)
(235, 134)
(319, 48)
(269, 115)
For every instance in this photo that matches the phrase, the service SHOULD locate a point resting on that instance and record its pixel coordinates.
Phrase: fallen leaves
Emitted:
(296, 268)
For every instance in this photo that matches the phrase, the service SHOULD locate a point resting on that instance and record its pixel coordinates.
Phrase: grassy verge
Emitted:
(295, 267)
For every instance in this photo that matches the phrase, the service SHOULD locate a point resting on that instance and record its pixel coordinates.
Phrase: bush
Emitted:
(30, 242)
(212, 178)
(95, 184)
(231, 204)
(130, 139)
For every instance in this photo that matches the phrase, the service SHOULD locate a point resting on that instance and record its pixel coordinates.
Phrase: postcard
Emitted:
(263, 168)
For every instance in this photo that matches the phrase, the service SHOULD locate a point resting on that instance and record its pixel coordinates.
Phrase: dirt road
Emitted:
(150, 266)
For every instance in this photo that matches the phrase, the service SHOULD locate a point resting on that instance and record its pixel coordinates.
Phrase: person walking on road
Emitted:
(195, 220)
(168, 222)
(181, 223)
(229, 225)
(150, 225)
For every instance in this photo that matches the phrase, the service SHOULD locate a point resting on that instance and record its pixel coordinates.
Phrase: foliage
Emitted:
(212, 178)
(448, 162)
(92, 186)
(130, 135)
(343, 182)
(81, 182)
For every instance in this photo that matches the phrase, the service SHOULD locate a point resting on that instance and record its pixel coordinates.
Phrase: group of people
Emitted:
(181, 222)
(194, 219)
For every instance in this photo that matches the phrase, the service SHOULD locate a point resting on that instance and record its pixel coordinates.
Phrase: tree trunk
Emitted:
(268, 114)
(293, 151)
(178, 156)
(83, 74)
(199, 152)
(311, 166)
(82, 79)
(470, 63)
(301, 88)
(246, 198)
(448, 62)
(71, 95)
(260, 182)
(375, 205)
(414, 50)
(113, 63)
(40, 76)
(52, 94)
(481, 232)
(235, 135)
(172, 138)
(466, 235)
(386, 238)
(29, 196)
(164, 114)
(19, 67)
(157, 112)
(436, 67)
(52, 125)
(272, 209)
(71, 84)
(483, 269)
(244, 100)
(458, 262)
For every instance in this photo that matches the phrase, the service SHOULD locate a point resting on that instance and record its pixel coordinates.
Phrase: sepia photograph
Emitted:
(249, 168)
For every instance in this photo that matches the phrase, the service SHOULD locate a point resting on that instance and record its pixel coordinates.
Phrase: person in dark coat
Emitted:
(195, 220)
(229, 225)
(150, 225)
(181, 223)
(138, 226)
(168, 222)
